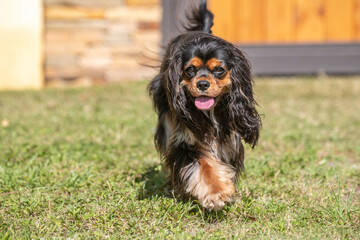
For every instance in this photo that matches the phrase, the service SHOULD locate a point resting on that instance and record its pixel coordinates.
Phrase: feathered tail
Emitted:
(199, 19)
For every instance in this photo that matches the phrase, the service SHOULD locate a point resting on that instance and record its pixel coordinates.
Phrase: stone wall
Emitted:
(92, 41)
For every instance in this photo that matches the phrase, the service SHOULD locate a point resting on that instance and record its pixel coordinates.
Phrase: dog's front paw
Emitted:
(216, 201)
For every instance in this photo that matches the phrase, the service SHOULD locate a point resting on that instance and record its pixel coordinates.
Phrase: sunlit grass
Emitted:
(81, 163)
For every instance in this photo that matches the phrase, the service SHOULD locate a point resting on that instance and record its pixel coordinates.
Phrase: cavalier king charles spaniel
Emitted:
(204, 100)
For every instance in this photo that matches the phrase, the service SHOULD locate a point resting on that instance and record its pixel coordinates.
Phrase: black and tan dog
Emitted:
(204, 99)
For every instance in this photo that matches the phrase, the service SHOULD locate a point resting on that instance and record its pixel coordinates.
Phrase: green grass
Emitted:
(80, 163)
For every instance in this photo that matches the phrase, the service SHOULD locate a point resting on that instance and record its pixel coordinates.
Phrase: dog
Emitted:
(203, 96)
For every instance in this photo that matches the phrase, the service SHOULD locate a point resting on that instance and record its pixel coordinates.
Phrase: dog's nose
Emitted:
(203, 85)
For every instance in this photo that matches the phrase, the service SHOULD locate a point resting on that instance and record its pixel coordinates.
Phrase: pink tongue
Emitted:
(204, 102)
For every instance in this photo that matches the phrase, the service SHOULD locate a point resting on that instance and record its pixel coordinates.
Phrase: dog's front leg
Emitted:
(197, 173)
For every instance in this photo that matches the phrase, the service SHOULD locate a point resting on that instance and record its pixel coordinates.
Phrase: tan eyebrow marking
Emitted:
(213, 63)
(197, 62)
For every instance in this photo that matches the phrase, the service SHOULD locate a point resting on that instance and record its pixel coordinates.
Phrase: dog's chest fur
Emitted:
(225, 149)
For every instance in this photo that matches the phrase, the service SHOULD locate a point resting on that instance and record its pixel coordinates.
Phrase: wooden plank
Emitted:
(356, 19)
(241, 21)
(309, 21)
(250, 20)
(339, 20)
(258, 11)
(224, 20)
(279, 20)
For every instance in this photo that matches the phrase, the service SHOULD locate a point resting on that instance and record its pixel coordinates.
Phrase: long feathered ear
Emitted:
(175, 93)
(243, 116)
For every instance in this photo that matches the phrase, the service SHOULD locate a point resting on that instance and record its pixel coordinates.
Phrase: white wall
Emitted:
(21, 41)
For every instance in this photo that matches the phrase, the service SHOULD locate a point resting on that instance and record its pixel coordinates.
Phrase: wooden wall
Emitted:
(287, 21)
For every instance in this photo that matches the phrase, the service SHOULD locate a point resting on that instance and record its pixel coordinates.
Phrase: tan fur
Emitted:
(213, 63)
(197, 62)
(211, 182)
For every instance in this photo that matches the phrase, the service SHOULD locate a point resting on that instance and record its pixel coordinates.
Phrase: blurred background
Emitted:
(86, 42)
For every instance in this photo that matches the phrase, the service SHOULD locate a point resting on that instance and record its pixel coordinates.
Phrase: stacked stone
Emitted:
(92, 41)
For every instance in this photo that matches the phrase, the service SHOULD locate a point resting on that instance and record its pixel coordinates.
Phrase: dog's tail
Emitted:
(199, 19)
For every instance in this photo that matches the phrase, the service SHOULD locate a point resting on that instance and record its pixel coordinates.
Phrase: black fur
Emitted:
(183, 156)
(200, 19)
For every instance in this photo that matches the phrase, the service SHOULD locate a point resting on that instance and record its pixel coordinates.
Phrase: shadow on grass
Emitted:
(155, 183)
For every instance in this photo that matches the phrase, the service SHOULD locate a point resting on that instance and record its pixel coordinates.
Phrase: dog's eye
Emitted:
(218, 71)
(190, 70)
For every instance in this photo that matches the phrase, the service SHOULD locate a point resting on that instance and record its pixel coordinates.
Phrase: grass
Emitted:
(80, 163)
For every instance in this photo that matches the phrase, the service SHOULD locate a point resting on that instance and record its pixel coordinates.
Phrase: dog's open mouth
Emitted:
(204, 103)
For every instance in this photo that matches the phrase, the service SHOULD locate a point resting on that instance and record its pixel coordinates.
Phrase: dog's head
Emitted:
(207, 73)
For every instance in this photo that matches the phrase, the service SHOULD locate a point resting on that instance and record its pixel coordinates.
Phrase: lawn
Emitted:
(80, 163)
